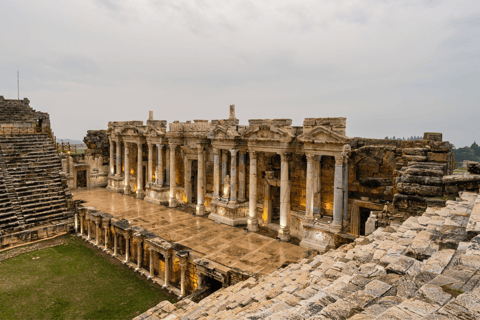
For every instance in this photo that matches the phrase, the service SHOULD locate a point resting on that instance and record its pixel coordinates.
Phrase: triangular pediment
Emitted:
(323, 135)
(222, 133)
(153, 132)
(267, 132)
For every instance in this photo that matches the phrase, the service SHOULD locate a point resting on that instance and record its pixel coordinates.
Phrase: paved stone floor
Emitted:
(229, 246)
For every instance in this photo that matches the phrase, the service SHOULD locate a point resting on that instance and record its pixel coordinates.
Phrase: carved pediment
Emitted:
(129, 130)
(268, 132)
(323, 135)
(153, 132)
(222, 133)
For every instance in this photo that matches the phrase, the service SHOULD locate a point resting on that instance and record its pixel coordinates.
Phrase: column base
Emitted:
(172, 202)
(127, 190)
(140, 194)
(284, 234)
(200, 210)
(252, 224)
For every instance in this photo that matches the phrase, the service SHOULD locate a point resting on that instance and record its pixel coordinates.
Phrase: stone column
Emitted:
(140, 192)
(152, 270)
(183, 267)
(159, 174)
(318, 183)
(233, 176)
(118, 145)
(216, 173)
(81, 224)
(106, 235)
(167, 166)
(224, 165)
(310, 188)
(115, 243)
(345, 188)
(127, 249)
(173, 182)
(89, 234)
(150, 163)
(71, 171)
(188, 179)
(241, 176)
(76, 223)
(201, 183)
(126, 189)
(167, 268)
(338, 192)
(252, 212)
(111, 157)
(97, 232)
(139, 254)
(284, 232)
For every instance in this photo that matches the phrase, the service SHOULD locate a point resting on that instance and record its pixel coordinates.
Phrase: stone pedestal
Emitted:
(228, 213)
(116, 183)
(318, 236)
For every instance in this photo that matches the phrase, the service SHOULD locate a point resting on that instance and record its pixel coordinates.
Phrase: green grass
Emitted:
(72, 281)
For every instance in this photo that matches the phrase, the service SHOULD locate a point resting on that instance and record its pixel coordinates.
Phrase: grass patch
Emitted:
(72, 281)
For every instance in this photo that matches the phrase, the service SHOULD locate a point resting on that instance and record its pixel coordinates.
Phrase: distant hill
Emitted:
(471, 153)
(70, 141)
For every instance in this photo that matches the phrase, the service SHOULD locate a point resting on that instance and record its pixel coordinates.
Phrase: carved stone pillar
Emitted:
(118, 145)
(81, 224)
(183, 267)
(115, 243)
(233, 176)
(97, 232)
(76, 223)
(126, 189)
(159, 174)
(140, 192)
(338, 192)
(127, 248)
(201, 183)
(310, 188)
(284, 232)
(111, 157)
(216, 173)
(241, 176)
(252, 212)
(150, 163)
(318, 183)
(139, 253)
(89, 234)
(173, 182)
(106, 235)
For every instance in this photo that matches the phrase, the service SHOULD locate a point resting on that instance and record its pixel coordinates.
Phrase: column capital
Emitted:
(285, 156)
(233, 151)
(160, 145)
(150, 144)
(173, 146)
(253, 154)
(339, 159)
(216, 151)
(310, 157)
(200, 149)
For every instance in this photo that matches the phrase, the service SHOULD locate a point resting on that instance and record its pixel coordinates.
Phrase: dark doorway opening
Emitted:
(145, 177)
(275, 194)
(82, 179)
(364, 214)
(194, 180)
(213, 284)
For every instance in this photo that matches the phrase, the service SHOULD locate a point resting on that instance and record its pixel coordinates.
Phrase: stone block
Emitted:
(437, 157)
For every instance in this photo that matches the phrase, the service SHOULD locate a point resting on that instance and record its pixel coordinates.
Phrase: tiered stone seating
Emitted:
(33, 168)
(422, 269)
(9, 214)
(15, 111)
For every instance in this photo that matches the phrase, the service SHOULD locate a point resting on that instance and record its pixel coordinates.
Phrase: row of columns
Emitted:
(79, 228)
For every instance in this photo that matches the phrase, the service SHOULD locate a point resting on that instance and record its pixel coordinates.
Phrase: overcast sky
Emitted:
(391, 67)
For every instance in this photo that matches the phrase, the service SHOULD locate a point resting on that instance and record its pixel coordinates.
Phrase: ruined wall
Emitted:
(98, 144)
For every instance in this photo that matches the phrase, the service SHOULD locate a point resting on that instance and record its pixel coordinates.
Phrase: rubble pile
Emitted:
(426, 268)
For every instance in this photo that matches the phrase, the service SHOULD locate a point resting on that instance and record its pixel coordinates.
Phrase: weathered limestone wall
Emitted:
(98, 144)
